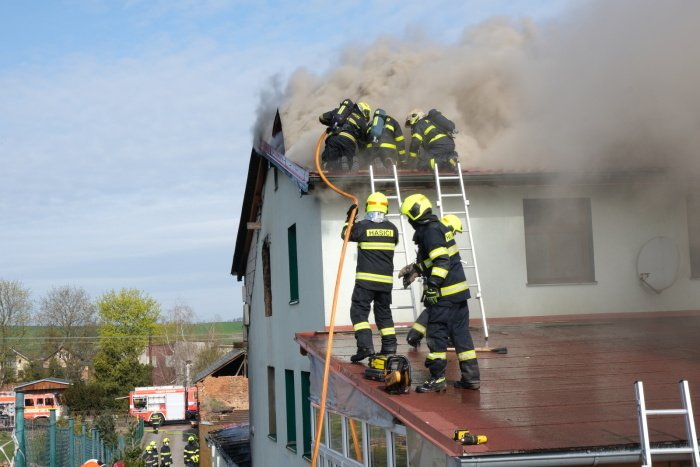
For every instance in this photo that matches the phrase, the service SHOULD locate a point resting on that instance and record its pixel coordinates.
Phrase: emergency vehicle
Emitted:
(160, 404)
(35, 405)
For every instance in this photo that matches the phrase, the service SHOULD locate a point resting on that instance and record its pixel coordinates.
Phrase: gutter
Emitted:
(564, 459)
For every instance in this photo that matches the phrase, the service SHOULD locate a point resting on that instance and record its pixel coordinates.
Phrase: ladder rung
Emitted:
(383, 180)
(452, 195)
(449, 177)
(455, 212)
(671, 450)
(401, 307)
(667, 412)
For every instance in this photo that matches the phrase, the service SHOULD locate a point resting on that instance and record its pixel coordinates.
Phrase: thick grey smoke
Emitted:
(608, 85)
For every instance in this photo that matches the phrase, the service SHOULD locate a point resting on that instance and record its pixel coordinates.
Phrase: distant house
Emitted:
(550, 248)
(169, 360)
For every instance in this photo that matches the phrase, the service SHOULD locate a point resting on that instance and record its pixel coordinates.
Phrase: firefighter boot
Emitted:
(470, 375)
(433, 385)
(388, 345)
(362, 353)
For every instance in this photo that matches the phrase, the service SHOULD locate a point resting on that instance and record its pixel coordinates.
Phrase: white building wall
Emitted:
(271, 339)
(624, 218)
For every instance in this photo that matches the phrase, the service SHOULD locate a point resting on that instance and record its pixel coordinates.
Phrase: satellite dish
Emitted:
(657, 263)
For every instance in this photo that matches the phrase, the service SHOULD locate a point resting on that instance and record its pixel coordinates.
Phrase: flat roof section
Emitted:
(565, 385)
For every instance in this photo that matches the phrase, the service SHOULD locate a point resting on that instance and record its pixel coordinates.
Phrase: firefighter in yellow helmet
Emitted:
(412, 271)
(376, 239)
(445, 297)
(166, 455)
(347, 129)
(190, 452)
(385, 143)
(434, 133)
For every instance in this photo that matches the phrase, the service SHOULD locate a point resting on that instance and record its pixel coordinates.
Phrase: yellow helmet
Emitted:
(166, 440)
(413, 116)
(365, 109)
(190, 438)
(416, 206)
(450, 220)
(377, 202)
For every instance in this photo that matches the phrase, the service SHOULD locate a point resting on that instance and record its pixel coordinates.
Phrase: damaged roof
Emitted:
(565, 387)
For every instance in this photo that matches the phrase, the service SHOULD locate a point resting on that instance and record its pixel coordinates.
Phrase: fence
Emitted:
(43, 443)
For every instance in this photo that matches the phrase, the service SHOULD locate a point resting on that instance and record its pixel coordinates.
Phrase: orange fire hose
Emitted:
(331, 327)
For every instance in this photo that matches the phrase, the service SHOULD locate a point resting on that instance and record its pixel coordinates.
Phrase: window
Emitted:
(293, 267)
(306, 411)
(272, 413)
(140, 403)
(354, 430)
(335, 430)
(693, 206)
(267, 279)
(29, 402)
(377, 447)
(400, 450)
(291, 410)
(558, 241)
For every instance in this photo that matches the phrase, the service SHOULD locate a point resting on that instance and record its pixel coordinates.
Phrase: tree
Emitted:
(15, 312)
(71, 317)
(176, 334)
(126, 320)
(209, 353)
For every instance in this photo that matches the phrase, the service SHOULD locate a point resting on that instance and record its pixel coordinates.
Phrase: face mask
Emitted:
(375, 216)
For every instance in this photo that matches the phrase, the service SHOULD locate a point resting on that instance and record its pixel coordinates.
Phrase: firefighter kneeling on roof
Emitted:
(445, 297)
(376, 239)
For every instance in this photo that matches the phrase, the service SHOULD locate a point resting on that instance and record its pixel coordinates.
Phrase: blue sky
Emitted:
(126, 128)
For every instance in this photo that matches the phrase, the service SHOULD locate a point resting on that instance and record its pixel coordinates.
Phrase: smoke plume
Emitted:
(608, 85)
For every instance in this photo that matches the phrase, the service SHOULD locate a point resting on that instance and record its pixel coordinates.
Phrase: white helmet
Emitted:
(413, 116)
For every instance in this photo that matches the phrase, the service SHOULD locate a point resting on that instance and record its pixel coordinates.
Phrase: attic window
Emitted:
(693, 206)
(558, 241)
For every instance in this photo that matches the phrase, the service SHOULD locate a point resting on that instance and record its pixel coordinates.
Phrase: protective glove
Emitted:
(431, 295)
(353, 207)
(409, 273)
(413, 338)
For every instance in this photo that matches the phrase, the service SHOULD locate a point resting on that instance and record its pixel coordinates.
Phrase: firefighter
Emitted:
(166, 455)
(347, 129)
(191, 452)
(385, 142)
(445, 296)
(438, 145)
(376, 239)
(150, 456)
(412, 271)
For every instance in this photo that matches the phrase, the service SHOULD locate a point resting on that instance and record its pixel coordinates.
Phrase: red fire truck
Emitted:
(35, 405)
(160, 404)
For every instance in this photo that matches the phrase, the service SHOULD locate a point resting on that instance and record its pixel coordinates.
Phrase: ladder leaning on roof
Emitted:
(687, 410)
(401, 226)
(470, 264)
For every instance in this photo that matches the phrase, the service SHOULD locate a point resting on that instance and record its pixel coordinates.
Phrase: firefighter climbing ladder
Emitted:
(469, 250)
(687, 411)
(396, 213)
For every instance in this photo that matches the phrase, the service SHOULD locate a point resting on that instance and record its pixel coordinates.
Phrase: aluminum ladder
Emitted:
(687, 411)
(470, 263)
(401, 226)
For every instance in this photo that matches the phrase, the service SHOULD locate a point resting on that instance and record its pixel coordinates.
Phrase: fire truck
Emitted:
(160, 404)
(35, 405)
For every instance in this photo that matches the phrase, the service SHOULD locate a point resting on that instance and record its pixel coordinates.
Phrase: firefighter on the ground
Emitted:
(385, 143)
(150, 455)
(166, 455)
(191, 452)
(445, 296)
(437, 143)
(347, 129)
(412, 271)
(376, 239)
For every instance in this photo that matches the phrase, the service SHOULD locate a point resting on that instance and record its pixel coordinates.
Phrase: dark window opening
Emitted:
(293, 266)
(267, 277)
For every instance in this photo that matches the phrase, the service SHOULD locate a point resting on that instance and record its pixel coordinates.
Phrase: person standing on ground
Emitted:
(166, 455)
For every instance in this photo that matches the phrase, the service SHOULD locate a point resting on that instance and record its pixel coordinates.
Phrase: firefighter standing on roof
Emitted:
(385, 146)
(445, 297)
(376, 239)
(438, 144)
(412, 271)
(347, 130)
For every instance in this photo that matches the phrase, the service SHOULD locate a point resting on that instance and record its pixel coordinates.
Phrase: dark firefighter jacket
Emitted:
(442, 268)
(189, 451)
(392, 137)
(354, 127)
(424, 133)
(375, 253)
(166, 455)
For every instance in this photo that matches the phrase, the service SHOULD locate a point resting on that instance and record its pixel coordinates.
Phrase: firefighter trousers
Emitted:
(339, 153)
(362, 300)
(450, 320)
